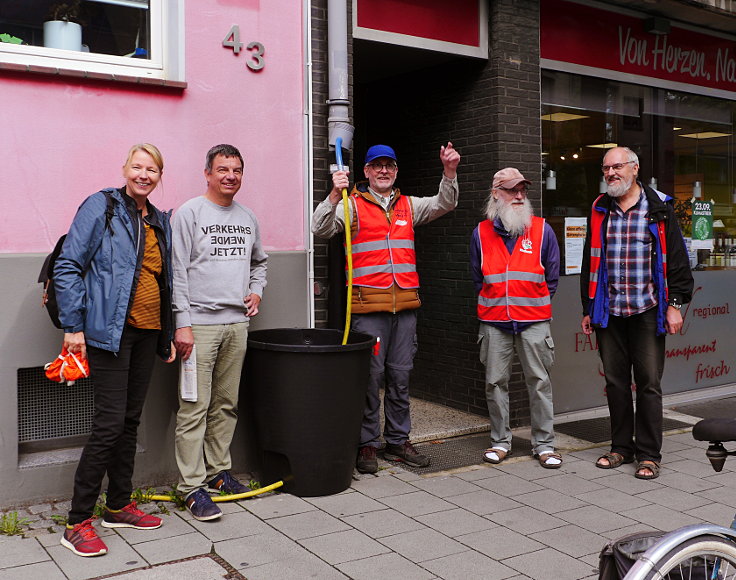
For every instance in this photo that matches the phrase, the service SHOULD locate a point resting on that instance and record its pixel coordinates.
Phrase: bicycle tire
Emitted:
(696, 558)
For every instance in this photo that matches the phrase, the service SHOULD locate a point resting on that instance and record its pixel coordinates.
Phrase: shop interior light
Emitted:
(562, 117)
(550, 181)
(676, 128)
(653, 183)
(602, 185)
(575, 155)
(705, 135)
(698, 190)
(603, 145)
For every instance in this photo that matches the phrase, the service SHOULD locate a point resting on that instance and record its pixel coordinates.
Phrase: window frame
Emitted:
(166, 62)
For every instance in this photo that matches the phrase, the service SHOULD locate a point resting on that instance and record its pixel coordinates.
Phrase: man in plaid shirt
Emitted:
(635, 278)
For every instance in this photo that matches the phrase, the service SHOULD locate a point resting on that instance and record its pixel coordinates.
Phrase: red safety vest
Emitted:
(514, 286)
(596, 247)
(383, 250)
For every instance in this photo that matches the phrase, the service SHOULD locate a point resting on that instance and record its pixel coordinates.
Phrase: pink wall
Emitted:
(62, 140)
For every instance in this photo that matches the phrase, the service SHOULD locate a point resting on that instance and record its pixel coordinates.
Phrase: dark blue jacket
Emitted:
(679, 282)
(99, 266)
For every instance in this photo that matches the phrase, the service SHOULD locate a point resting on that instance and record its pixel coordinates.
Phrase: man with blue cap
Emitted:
(385, 294)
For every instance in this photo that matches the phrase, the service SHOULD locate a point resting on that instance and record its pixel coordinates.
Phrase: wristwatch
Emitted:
(675, 303)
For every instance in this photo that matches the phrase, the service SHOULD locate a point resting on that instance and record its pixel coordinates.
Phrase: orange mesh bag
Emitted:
(67, 367)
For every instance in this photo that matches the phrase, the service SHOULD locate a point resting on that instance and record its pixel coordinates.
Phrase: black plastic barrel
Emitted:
(307, 395)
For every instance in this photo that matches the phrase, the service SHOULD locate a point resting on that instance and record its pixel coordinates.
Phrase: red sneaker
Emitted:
(82, 539)
(130, 517)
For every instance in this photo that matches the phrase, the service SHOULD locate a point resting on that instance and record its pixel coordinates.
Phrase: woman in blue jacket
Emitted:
(113, 286)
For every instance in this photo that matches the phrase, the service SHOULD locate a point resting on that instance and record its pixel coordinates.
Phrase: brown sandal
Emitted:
(614, 460)
(545, 456)
(499, 452)
(652, 466)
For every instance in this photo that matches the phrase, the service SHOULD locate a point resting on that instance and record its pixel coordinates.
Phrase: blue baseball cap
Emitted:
(379, 151)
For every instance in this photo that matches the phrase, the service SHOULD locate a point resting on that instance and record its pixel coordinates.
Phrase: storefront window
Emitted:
(108, 36)
(684, 142)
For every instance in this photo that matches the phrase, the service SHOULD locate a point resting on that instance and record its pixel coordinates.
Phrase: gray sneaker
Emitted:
(406, 453)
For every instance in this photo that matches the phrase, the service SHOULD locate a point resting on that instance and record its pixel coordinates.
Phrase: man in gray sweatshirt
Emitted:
(219, 275)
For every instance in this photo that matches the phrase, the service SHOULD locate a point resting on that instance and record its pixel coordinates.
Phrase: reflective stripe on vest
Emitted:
(383, 252)
(596, 247)
(514, 286)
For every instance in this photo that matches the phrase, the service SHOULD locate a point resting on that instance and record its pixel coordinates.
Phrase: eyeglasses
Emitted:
(523, 190)
(615, 166)
(389, 167)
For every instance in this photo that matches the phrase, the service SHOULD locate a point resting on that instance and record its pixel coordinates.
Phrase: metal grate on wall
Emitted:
(50, 411)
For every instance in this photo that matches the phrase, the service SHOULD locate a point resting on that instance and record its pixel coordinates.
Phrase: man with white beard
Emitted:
(634, 279)
(515, 266)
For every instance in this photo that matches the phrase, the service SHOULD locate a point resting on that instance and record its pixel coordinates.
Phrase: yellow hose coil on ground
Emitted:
(218, 498)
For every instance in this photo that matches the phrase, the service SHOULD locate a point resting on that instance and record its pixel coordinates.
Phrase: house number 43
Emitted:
(256, 49)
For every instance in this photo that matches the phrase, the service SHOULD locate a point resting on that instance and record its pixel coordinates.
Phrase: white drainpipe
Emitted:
(308, 169)
(337, 49)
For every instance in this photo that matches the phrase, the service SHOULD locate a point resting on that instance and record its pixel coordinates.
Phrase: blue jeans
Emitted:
(120, 386)
(628, 344)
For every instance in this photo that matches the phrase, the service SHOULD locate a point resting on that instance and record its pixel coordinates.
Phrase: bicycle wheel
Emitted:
(701, 558)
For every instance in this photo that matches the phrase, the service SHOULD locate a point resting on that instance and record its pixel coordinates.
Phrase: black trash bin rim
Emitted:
(356, 340)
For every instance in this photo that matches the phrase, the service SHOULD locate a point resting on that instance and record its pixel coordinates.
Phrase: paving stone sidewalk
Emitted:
(511, 521)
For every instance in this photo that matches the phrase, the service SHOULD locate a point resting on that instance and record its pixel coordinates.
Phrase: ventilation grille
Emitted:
(49, 410)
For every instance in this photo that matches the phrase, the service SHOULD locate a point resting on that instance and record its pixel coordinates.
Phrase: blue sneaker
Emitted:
(224, 482)
(201, 506)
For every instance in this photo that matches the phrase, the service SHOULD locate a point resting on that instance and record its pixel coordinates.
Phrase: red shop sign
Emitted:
(583, 35)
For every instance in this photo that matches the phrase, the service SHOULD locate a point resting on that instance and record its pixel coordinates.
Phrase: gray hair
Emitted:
(493, 206)
(630, 155)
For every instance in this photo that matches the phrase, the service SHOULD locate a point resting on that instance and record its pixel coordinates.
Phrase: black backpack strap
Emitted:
(109, 209)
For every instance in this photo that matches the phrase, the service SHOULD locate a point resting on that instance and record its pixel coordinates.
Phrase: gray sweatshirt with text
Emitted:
(218, 260)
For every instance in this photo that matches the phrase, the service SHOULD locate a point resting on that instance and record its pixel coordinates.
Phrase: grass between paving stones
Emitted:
(12, 525)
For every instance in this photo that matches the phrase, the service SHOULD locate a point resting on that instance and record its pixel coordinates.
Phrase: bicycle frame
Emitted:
(646, 562)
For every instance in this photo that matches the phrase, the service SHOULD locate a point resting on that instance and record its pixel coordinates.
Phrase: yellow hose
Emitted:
(349, 254)
(218, 498)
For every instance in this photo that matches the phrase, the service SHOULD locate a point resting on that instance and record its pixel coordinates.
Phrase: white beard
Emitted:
(619, 188)
(516, 218)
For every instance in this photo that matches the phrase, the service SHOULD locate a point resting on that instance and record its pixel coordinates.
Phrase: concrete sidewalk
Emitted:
(516, 520)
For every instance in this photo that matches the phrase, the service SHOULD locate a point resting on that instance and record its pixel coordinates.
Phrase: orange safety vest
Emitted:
(383, 246)
(514, 286)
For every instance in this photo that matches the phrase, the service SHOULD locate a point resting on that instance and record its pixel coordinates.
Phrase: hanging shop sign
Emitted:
(461, 28)
(638, 45)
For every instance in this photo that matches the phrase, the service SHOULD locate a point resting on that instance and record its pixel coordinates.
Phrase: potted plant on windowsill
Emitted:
(63, 29)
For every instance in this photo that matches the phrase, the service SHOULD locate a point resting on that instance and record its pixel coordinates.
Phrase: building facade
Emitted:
(541, 85)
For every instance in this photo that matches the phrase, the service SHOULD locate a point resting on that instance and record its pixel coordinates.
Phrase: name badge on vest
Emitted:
(401, 222)
(526, 246)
